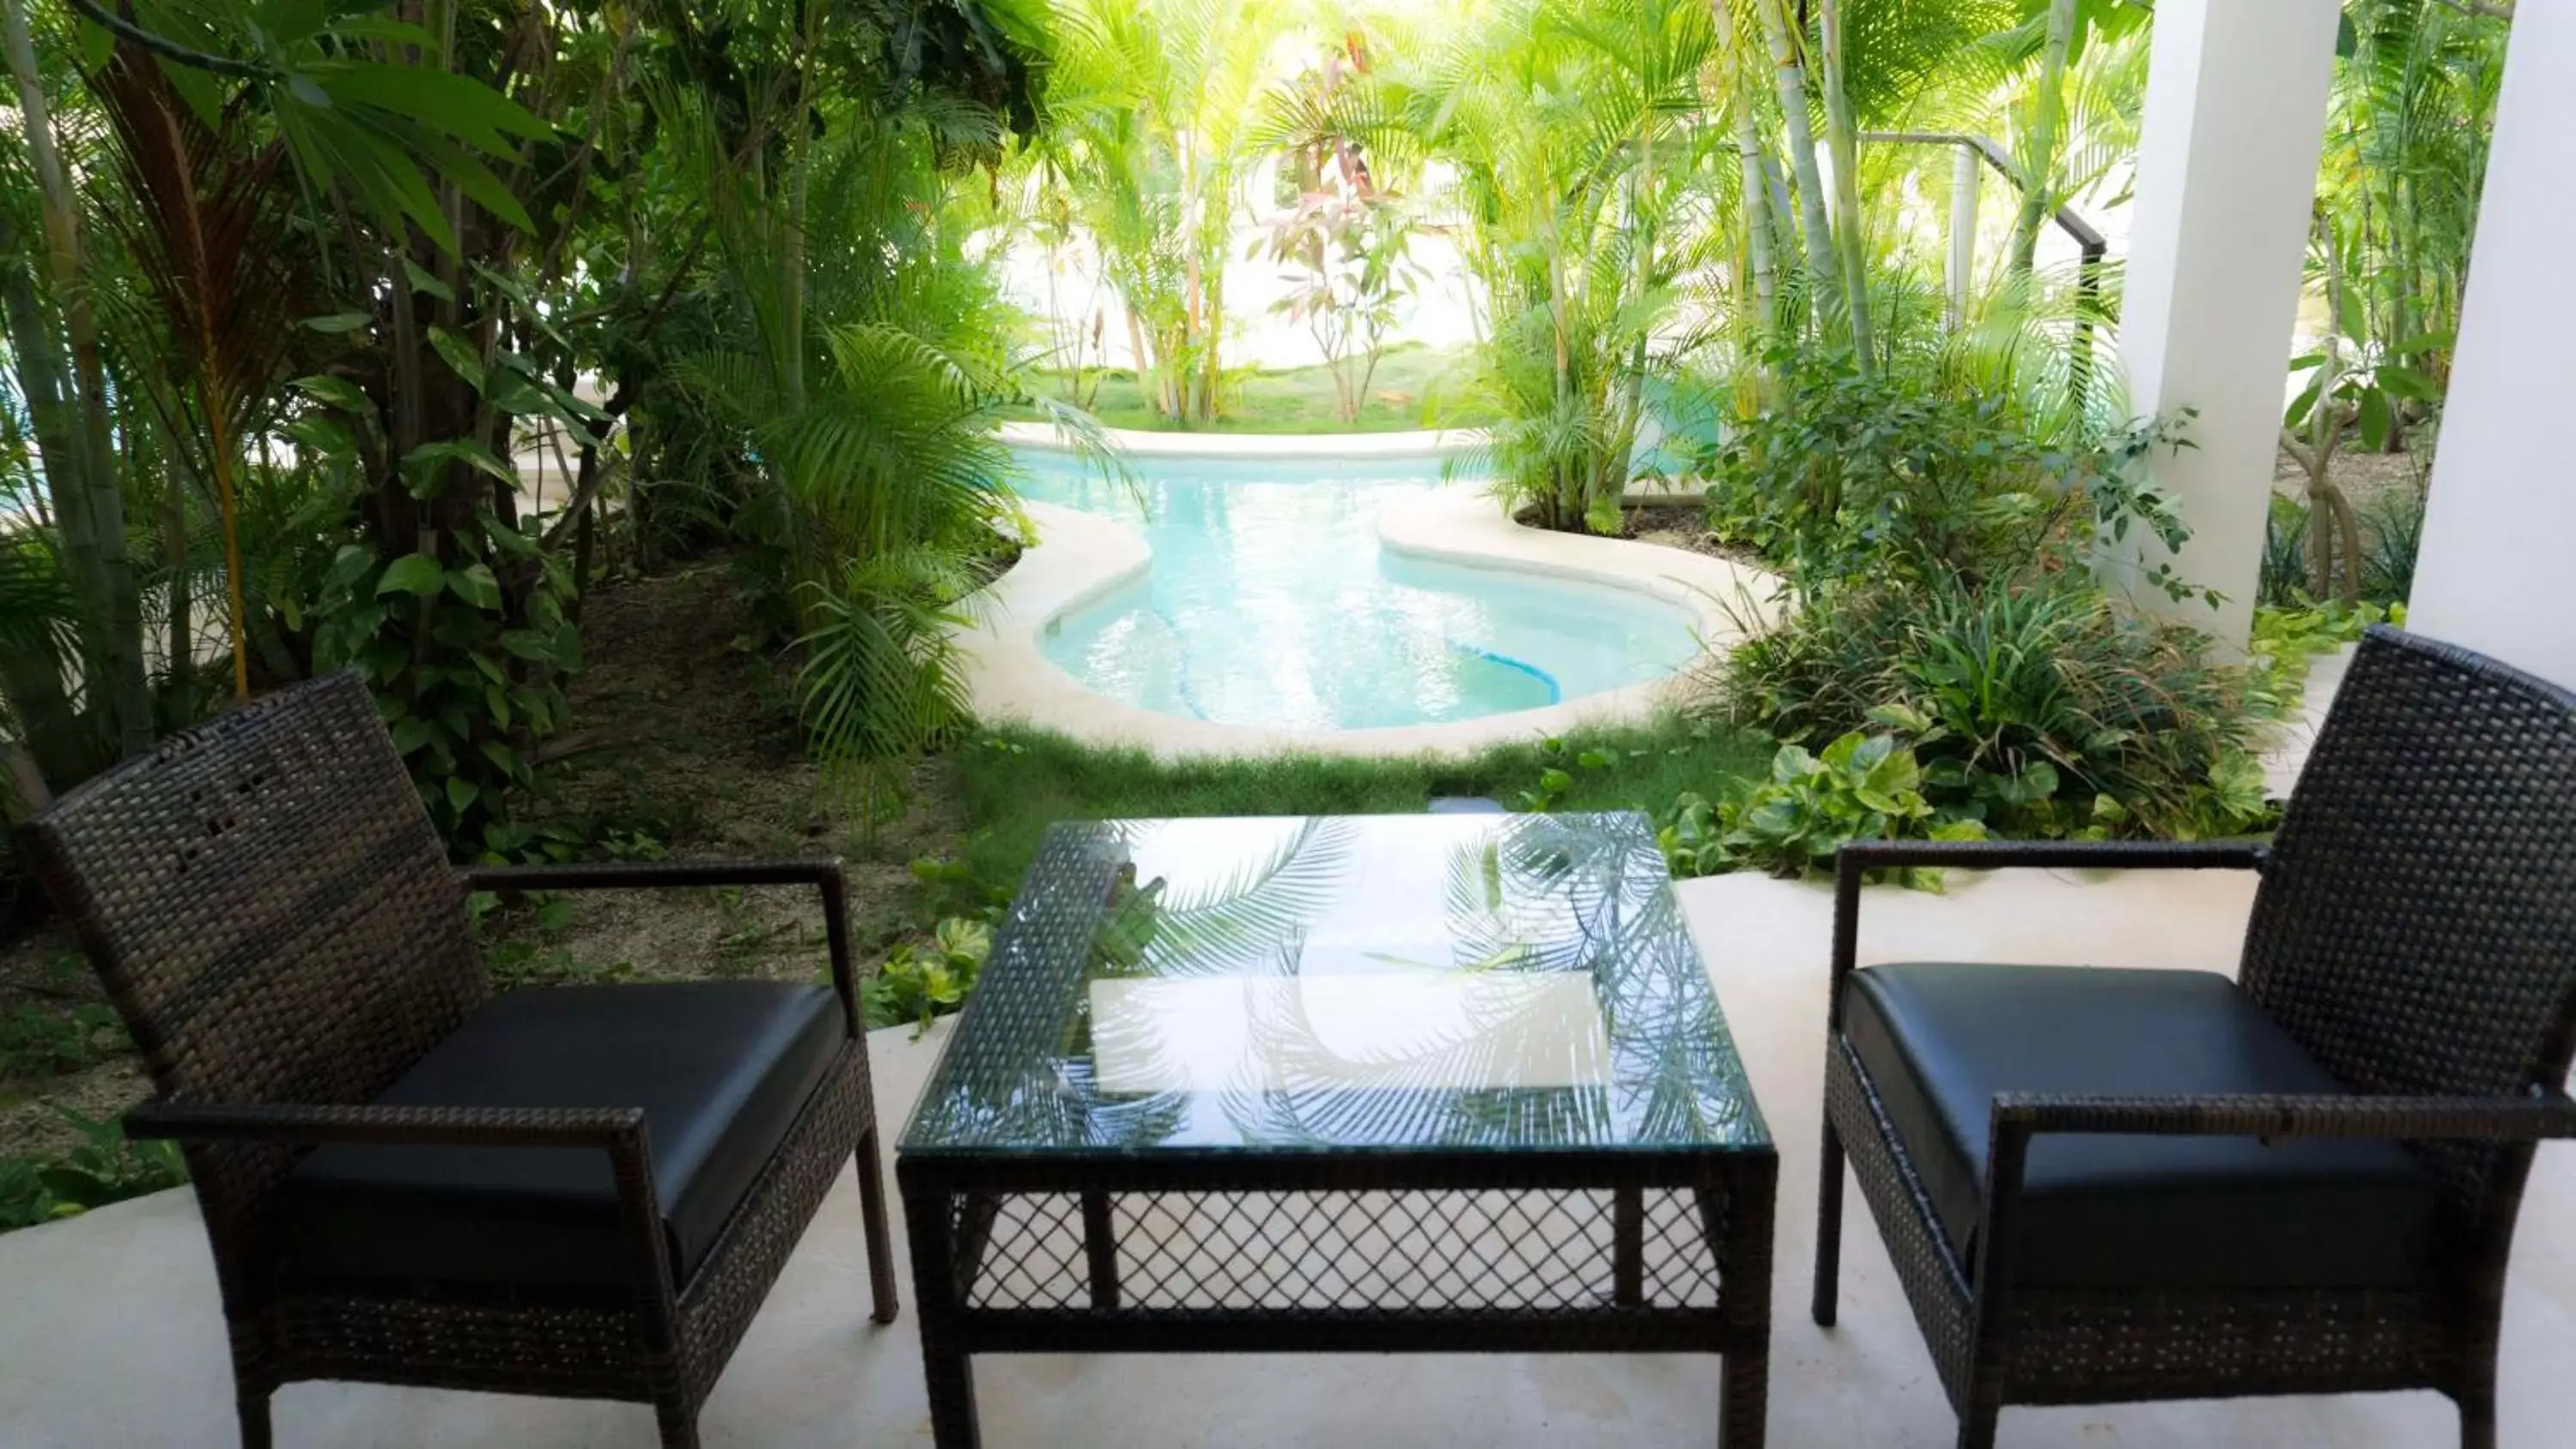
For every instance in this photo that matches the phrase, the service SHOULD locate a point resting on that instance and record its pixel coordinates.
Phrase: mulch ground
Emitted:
(682, 746)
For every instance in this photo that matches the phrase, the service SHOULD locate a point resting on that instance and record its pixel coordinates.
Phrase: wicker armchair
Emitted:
(580, 1192)
(2103, 1186)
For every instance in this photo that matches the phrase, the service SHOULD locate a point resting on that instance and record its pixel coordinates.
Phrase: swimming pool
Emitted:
(1271, 602)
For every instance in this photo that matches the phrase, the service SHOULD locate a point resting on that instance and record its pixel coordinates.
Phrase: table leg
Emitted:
(951, 1378)
(1628, 1247)
(1738, 1217)
(1743, 1399)
(947, 1371)
(1100, 1246)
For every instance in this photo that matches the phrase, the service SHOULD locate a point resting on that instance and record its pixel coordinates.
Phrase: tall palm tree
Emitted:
(1573, 130)
(1159, 108)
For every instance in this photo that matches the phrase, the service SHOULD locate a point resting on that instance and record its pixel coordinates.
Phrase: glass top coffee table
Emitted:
(1434, 1083)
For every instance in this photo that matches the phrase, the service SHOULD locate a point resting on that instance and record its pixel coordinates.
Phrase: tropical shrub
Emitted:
(1157, 108)
(1579, 195)
(1844, 477)
(923, 981)
(2393, 534)
(2046, 711)
(1860, 787)
(2287, 642)
(104, 1167)
(2388, 532)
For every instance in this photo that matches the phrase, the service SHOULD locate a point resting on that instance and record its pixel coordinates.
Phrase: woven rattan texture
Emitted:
(2416, 929)
(236, 886)
(270, 909)
(1348, 1251)
(1934, 1285)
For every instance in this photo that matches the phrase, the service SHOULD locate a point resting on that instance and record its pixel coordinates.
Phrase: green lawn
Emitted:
(1295, 400)
(1007, 785)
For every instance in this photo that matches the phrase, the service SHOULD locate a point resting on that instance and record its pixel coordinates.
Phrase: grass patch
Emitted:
(1288, 400)
(1009, 784)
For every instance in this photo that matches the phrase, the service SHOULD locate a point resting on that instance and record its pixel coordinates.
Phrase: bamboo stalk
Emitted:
(1789, 75)
(1842, 134)
(119, 691)
(2048, 104)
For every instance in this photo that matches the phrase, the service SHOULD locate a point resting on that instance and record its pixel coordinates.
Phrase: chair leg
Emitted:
(252, 1405)
(679, 1424)
(1829, 1227)
(1977, 1426)
(2476, 1399)
(872, 1206)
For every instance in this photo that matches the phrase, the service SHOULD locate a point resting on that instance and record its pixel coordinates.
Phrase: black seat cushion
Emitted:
(1940, 1041)
(721, 1069)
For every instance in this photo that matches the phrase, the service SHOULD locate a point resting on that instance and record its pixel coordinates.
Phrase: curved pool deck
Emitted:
(1080, 556)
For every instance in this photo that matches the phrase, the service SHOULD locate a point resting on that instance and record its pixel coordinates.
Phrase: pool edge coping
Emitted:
(1422, 443)
(1078, 556)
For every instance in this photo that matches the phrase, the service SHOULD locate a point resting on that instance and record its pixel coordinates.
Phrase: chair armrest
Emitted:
(825, 873)
(652, 874)
(1868, 855)
(2532, 1118)
(1854, 861)
(296, 1124)
(618, 1131)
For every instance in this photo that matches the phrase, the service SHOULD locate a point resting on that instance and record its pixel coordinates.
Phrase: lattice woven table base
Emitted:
(1392, 1250)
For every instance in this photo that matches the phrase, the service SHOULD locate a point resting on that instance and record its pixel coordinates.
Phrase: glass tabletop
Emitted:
(1354, 982)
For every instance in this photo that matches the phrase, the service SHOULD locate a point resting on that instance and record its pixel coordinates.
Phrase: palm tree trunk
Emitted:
(1842, 133)
(1789, 73)
(2047, 106)
(1641, 226)
(114, 645)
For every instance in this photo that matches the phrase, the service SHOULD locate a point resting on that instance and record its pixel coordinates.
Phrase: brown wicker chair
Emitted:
(579, 1192)
(2104, 1186)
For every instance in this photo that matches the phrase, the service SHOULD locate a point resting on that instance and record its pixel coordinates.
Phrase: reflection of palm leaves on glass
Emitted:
(1537, 894)
(1540, 894)
(1065, 1110)
(1412, 1095)
(1254, 920)
(1674, 1070)
(1251, 922)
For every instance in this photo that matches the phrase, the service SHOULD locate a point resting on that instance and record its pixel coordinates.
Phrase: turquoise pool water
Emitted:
(1271, 603)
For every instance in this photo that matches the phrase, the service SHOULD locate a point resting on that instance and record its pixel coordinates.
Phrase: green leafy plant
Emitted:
(2047, 712)
(1860, 787)
(46, 1038)
(1847, 478)
(1558, 763)
(953, 888)
(921, 981)
(2392, 535)
(104, 1167)
(468, 679)
(2287, 641)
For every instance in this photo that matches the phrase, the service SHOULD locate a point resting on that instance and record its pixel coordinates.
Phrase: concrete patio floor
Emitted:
(110, 1333)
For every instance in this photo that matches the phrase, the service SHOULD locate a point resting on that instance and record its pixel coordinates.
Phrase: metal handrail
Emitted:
(2088, 238)
(2069, 220)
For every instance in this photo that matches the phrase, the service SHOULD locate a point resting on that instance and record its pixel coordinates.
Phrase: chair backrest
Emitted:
(2416, 927)
(270, 909)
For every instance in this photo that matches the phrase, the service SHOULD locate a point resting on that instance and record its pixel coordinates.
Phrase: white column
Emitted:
(2494, 570)
(2227, 169)
(1967, 170)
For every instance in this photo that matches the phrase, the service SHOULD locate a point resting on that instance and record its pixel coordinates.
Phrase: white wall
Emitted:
(2227, 171)
(2496, 562)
